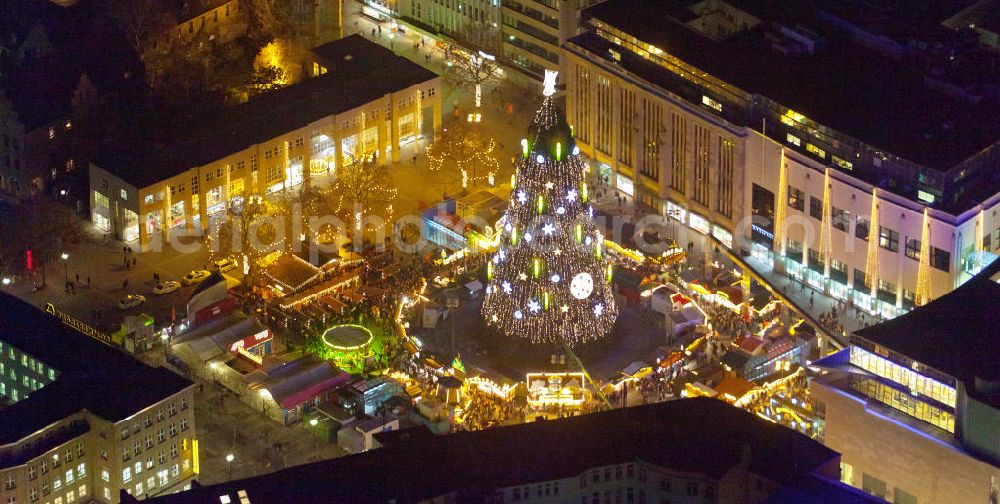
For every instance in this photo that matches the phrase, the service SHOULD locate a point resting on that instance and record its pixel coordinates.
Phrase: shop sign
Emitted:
(699, 223)
(625, 184)
(79, 325)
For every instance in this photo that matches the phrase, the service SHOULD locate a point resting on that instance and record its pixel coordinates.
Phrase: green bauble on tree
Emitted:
(548, 281)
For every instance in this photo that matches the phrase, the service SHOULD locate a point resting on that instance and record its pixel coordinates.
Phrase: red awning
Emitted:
(314, 390)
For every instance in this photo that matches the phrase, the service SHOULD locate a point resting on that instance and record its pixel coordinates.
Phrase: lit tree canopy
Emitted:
(364, 189)
(248, 234)
(464, 153)
(547, 279)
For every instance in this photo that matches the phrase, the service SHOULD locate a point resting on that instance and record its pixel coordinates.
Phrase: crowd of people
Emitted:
(484, 410)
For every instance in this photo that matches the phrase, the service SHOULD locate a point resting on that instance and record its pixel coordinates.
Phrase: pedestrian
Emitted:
(811, 299)
(414, 158)
(373, 32)
(133, 263)
(125, 284)
(380, 30)
(88, 281)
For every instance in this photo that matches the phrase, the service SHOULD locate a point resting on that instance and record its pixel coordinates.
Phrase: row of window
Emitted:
(147, 420)
(887, 238)
(71, 496)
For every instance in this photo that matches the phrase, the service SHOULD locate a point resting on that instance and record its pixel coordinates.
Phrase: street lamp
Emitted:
(229, 458)
(6, 282)
(452, 304)
(263, 393)
(65, 258)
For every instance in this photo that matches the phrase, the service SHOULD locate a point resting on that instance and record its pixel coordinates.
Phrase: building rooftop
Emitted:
(370, 72)
(955, 334)
(841, 85)
(701, 436)
(796, 59)
(67, 44)
(91, 375)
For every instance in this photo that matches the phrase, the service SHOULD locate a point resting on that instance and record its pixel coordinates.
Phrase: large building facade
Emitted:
(328, 121)
(474, 23)
(845, 217)
(77, 428)
(534, 29)
(912, 404)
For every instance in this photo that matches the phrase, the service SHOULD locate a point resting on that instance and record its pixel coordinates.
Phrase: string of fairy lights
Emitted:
(464, 147)
(548, 280)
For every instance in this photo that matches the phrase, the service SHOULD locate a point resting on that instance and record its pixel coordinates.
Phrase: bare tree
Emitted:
(267, 20)
(472, 71)
(46, 228)
(463, 153)
(264, 79)
(141, 19)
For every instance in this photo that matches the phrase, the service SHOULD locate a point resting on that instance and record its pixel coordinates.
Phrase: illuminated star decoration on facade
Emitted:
(547, 236)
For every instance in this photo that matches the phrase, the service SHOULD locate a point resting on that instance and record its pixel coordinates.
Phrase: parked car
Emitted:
(166, 287)
(131, 301)
(195, 276)
(225, 265)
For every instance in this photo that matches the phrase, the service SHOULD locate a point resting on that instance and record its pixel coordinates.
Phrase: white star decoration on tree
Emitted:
(549, 185)
(548, 229)
(507, 289)
(522, 276)
(571, 195)
(534, 306)
(564, 308)
(522, 197)
(598, 310)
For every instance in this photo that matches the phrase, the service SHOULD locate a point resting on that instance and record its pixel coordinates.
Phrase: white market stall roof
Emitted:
(212, 340)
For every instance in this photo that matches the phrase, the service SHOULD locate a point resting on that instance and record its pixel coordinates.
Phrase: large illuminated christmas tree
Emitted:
(547, 280)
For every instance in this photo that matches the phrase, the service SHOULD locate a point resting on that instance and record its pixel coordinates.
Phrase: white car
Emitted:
(131, 301)
(195, 277)
(166, 287)
(225, 265)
